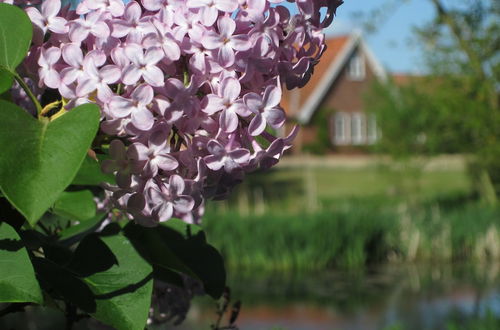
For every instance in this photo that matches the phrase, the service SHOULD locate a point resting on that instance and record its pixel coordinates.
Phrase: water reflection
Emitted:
(395, 297)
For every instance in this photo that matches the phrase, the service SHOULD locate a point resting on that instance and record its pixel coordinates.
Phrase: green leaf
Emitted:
(90, 174)
(76, 205)
(15, 35)
(149, 243)
(17, 277)
(123, 293)
(85, 263)
(189, 243)
(177, 246)
(6, 80)
(62, 284)
(40, 158)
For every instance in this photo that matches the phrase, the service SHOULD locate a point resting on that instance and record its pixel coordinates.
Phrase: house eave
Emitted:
(333, 72)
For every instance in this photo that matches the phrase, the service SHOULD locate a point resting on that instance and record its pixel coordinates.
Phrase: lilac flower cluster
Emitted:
(189, 89)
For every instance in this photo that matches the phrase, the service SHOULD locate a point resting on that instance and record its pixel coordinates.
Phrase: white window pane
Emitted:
(358, 129)
(340, 127)
(356, 68)
(372, 129)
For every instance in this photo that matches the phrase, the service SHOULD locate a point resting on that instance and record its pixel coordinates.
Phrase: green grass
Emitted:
(369, 182)
(354, 236)
(282, 242)
(317, 218)
(296, 190)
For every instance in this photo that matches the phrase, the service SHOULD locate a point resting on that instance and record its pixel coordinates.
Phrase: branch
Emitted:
(28, 92)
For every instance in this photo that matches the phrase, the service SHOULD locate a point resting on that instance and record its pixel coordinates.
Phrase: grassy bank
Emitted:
(355, 234)
(312, 188)
(327, 214)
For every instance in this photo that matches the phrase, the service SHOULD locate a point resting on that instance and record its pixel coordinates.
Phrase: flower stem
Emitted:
(28, 91)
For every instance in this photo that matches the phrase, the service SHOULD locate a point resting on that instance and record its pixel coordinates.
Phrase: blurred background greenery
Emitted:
(400, 234)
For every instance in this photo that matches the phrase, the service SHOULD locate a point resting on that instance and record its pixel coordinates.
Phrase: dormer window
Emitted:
(356, 68)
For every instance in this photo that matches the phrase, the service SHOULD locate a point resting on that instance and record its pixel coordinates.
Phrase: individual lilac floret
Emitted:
(73, 56)
(222, 158)
(136, 106)
(163, 38)
(93, 24)
(114, 7)
(265, 109)
(143, 65)
(48, 73)
(168, 197)
(225, 42)
(47, 19)
(100, 79)
(133, 25)
(156, 155)
(227, 101)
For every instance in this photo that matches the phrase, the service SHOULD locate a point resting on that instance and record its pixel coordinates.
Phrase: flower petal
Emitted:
(225, 56)
(143, 94)
(257, 125)
(72, 54)
(110, 74)
(228, 121)
(272, 97)
(131, 74)
(275, 117)
(153, 55)
(230, 89)
(183, 204)
(176, 184)
(58, 25)
(142, 119)
(50, 8)
(167, 162)
(226, 26)
(120, 107)
(153, 76)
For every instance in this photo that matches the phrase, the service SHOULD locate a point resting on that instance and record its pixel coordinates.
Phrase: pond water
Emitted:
(390, 297)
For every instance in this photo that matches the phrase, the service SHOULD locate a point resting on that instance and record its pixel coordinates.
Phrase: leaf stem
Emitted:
(28, 91)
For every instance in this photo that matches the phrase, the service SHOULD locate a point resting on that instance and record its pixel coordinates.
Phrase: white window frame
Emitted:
(358, 128)
(356, 68)
(340, 131)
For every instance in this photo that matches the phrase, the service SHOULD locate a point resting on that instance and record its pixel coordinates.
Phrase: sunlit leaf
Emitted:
(90, 174)
(39, 158)
(6, 80)
(15, 35)
(76, 205)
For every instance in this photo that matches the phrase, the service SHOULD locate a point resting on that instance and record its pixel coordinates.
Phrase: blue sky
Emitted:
(392, 43)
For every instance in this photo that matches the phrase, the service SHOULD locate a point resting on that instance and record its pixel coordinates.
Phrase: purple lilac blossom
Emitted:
(187, 88)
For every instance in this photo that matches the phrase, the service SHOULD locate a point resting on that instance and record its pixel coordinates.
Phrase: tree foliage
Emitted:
(453, 108)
